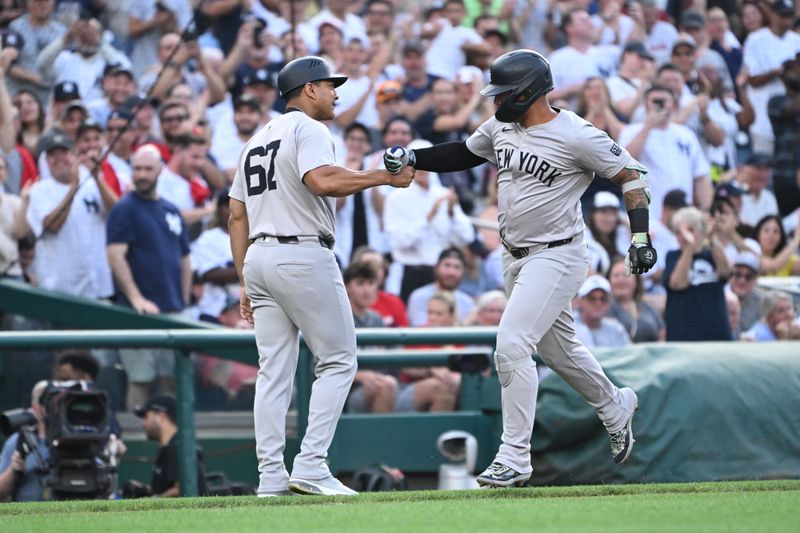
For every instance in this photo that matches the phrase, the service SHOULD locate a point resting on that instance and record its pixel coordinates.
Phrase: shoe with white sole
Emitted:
(275, 494)
(329, 486)
(500, 475)
(622, 441)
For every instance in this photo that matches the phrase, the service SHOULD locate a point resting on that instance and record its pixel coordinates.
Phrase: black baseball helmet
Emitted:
(525, 74)
(302, 70)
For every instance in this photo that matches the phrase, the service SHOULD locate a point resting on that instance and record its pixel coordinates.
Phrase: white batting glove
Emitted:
(396, 157)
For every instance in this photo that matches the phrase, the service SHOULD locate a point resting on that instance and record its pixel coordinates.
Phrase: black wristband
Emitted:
(640, 220)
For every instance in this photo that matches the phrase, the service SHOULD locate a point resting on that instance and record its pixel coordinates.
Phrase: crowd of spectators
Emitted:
(121, 123)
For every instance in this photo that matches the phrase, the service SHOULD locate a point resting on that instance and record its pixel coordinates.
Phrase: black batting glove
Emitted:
(641, 254)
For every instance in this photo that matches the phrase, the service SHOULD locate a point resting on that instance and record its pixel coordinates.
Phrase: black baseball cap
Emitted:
(247, 100)
(66, 91)
(88, 125)
(163, 403)
(782, 7)
(113, 69)
(729, 189)
(759, 160)
(692, 19)
(121, 112)
(638, 48)
(261, 75)
(58, 139)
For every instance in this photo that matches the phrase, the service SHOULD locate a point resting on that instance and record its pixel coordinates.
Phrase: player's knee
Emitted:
(508, 365)
(514, 346)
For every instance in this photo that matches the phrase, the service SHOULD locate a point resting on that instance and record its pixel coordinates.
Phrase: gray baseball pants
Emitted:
(292, 288)
(540, 287)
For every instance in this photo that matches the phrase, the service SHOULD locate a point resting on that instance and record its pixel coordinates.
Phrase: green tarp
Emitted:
(707, 411)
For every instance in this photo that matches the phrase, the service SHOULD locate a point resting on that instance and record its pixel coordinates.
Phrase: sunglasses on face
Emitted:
(747, 276)
(597, 298)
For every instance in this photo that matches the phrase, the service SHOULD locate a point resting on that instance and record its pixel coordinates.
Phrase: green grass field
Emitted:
(745, 506)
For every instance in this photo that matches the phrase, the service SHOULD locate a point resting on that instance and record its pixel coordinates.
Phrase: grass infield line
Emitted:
(110, 506)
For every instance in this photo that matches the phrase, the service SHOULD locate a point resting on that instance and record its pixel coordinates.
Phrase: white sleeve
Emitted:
(205, 257)
(314, 146)
(402, 232)
(700, 166)
(469, 35)
(480, 143)
(596, 151)
(237, 187)
(41, 203)
(461, 233)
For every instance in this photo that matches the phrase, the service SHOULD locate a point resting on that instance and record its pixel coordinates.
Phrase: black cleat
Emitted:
(499, 475)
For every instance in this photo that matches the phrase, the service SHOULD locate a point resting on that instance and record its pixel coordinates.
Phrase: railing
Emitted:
(184, 342)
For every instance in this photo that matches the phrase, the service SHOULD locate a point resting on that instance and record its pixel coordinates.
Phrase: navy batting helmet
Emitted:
(304, 70)
(525, 74)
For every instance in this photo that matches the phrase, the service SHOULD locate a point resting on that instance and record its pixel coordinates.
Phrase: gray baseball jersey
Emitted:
(274, 162)
(293, 286)
(543, 171)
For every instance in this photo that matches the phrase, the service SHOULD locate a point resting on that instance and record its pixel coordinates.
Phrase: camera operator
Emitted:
(19, 480)
(77, 365)
(159, 416)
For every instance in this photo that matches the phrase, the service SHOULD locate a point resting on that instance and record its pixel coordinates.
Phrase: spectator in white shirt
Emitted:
(448, 275)
(181, 183)
(67, 214)
(227, 142)
(356, 98)
(634, 76)
(450, 41)
(660, 34)
(671, 152)
(119, 155)
(84, 64)
(352, 24)
(212, 261)
(612, 26)
(693, 100)
(580, 60)
(353, 220)
(758, 200)
(421, 221)
(765, 50)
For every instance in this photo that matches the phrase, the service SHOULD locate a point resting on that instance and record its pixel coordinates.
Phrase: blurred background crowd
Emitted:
(705, 93)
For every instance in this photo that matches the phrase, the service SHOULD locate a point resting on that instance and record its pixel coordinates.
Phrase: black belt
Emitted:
(519, 253)
(294, 239)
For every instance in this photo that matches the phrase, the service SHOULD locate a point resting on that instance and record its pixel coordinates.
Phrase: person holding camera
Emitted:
(19, 479)
(670, 151)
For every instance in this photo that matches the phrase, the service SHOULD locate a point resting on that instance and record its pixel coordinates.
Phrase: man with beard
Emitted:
(227, 145)
(448, 274)
(148, 250)
(84, 62)
(181, 181)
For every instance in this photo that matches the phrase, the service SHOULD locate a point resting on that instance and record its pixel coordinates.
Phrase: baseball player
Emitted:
(546, 158)
(281, 231)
